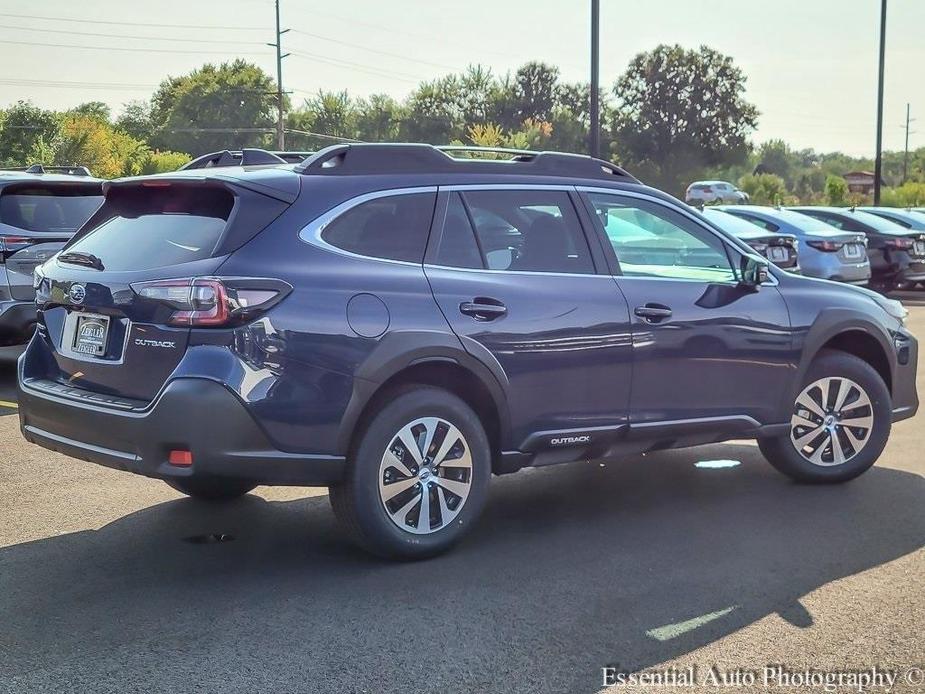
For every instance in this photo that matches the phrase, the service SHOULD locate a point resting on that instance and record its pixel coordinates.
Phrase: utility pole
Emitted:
(906, 151)
(595, 143)
(878, 165)
(280, 125)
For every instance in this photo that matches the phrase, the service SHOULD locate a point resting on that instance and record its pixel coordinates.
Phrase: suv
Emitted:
(399, 324)
(709, 192)
(40, 209)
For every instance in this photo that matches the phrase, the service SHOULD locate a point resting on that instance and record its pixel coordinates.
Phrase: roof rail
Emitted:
(370, 158)
(293, 157)
(226, 157)
(47, 168)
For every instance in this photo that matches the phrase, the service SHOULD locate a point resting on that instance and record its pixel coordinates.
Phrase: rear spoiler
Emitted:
(285, 188)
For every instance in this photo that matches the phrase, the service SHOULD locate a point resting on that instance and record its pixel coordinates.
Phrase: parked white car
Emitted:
(720, 192)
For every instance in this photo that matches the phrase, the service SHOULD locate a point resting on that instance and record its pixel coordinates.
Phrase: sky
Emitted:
(811, 64)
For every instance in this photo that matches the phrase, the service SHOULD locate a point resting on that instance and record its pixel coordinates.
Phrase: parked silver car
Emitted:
(709, 192)
(825, 251)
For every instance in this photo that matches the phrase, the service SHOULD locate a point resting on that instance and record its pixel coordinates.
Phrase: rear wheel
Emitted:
(211, 489)
(418, 476)
(839, 424)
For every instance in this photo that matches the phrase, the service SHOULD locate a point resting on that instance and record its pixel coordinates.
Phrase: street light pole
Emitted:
(595, 144)
(878, 165)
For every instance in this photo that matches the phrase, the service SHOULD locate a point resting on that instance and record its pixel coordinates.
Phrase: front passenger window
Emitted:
(653, 241)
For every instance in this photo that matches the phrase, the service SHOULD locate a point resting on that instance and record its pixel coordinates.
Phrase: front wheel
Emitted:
(418, 476)
(839, 424)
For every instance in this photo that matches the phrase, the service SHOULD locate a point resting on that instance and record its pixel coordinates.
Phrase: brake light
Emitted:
(827, 246)
(10, 244)
(900, 244)
(209, 302)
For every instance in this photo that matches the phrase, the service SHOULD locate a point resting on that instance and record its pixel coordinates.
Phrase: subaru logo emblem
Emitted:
(78, 293)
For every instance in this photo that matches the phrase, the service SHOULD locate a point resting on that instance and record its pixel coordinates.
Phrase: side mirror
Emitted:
(754, 271)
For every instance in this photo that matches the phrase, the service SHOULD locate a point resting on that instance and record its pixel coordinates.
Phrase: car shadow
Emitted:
(570, 569)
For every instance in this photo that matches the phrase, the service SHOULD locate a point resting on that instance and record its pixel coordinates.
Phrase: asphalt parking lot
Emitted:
(652, 562)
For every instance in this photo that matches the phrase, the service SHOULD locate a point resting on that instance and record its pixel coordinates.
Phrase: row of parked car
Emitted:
(879, 247)
(42, 206)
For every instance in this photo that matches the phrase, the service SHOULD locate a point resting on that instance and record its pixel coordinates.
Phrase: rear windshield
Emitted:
(803, 222)
(730, 223)
(153, 227)
(39, 209)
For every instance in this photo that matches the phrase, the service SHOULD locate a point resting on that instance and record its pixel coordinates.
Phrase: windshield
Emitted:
(44, 211)
(879, 223)
(730, 223)
(803, 222)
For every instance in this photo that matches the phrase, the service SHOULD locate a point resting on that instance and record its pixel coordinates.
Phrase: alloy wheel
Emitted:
(832, 421)
(425, 475)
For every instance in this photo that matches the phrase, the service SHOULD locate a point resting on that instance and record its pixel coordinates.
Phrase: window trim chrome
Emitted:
(311, 232)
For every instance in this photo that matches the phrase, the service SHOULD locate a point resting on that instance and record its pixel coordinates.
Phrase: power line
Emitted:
(132, 24)
(128, 36)
(356, 66)
(74, 85)
(374, 50)
(123, 48)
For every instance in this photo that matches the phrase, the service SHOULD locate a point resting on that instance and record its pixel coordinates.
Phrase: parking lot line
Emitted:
(7, 403)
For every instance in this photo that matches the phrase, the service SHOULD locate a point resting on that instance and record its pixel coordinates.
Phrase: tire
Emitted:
(388, 521)
(854, 449)
(211, 489)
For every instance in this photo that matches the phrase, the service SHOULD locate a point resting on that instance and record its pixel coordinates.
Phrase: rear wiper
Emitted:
(79, 258)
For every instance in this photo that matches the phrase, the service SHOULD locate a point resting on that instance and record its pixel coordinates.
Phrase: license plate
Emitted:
(919, 247)
(778, 254)
(91, 335)
(853, 250)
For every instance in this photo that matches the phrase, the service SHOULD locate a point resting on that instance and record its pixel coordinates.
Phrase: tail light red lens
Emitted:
(900, 244)
(211, 302)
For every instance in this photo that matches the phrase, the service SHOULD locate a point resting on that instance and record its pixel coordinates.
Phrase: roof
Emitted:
(22, 176)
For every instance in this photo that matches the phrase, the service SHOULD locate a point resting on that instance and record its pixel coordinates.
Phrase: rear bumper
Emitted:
(193, 414)
(17, 320)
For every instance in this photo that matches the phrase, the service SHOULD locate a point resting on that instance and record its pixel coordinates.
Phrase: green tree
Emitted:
(214, 108)
(24, 127)
(378, 118)
(836, 190)
(135, 120)
(679, 111)
(93, 109)
(764, 189)
(776, 157)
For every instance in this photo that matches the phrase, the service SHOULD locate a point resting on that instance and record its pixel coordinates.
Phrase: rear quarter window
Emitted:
(394, 227)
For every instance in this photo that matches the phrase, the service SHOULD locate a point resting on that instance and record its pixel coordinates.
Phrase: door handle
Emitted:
(653, 313)
(483, 308)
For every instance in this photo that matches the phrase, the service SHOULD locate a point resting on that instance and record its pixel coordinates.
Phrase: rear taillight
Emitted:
(10, 244)
(827, 246)
(209, 302)
(900, 244)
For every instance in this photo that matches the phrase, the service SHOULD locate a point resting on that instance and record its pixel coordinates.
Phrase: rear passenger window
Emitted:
(528, 231)
(393, 227)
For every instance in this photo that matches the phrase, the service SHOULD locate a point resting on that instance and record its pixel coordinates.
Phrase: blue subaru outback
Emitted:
(400, 322)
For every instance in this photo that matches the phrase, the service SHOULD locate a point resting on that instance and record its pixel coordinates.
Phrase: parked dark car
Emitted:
(825, 251)
(780, 248)
(909, 219)
(897, 255)
(40, 209)
(399, 324)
